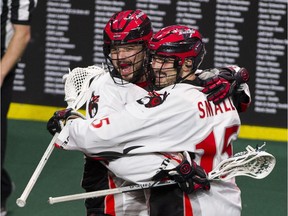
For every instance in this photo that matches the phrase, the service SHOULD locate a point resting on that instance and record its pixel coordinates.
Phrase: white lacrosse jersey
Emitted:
(175, 119)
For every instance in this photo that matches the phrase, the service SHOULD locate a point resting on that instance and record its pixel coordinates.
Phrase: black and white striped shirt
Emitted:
(14, 12)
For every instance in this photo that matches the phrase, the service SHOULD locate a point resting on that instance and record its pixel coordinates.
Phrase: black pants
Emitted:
(94, 179)
(159, 198)
(6, 96)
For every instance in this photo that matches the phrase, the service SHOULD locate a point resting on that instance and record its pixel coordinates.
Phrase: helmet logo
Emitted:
(192, 31)
(139, 15)
(116, 36)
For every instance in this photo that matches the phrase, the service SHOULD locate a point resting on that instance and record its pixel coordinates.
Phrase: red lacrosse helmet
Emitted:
(179, 42)
(127, 27)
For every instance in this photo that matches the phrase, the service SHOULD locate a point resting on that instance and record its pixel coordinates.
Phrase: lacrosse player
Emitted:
(15, 35)
(124, 70)
(125, 46)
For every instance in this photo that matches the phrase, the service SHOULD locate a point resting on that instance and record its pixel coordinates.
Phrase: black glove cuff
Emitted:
(185, 170)
(53, 126)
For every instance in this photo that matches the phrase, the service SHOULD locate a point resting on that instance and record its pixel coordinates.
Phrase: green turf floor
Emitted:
(62, 174)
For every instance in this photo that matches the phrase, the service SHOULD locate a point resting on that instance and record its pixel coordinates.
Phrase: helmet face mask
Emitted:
(127, 28)
(164, 71)
(128, 62)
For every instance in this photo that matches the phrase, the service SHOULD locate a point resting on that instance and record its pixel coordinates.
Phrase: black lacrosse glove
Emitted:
(220, 83)
(190, 177)
(59, 119)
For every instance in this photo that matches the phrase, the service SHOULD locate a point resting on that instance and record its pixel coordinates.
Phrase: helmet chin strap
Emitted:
(181, 79)
(179, 67)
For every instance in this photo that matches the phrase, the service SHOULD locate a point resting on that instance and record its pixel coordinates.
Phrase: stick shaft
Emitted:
(21, 201)
(101, 193)
(84, 195)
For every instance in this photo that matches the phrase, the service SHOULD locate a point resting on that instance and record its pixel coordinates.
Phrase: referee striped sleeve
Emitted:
(21, 11)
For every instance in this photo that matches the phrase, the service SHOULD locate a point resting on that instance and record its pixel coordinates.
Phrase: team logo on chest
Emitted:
(93, 105)
(154, 99)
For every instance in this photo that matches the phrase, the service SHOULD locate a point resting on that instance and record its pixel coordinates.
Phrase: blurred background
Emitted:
(68, 34)
(252, 34)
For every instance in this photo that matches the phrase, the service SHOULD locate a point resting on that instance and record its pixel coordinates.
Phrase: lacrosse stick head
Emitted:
(253, 163)
(77, 84)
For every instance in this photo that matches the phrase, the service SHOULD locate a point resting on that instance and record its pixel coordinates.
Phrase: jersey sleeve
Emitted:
(21, 11)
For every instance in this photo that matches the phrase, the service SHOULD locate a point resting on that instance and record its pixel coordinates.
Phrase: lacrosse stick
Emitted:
(252, 162)
(76, 88)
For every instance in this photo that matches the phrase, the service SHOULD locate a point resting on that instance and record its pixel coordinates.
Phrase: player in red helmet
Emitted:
(125, 39)
(176, 53)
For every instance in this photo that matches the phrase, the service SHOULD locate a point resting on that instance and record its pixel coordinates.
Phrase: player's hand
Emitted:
(189, 176)
(59, 119)
(220, 83)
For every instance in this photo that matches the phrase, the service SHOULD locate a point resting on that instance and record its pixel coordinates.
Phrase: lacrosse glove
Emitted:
(190, 177)
(220, 83)
(59, 119)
